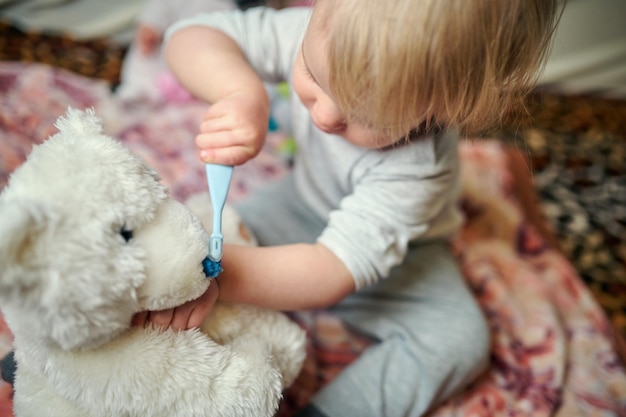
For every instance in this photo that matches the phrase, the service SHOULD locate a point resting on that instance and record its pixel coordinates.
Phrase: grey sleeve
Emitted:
(395, 203)
(269, 38)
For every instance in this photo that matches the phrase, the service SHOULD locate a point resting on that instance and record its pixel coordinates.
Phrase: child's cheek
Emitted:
(300, 87)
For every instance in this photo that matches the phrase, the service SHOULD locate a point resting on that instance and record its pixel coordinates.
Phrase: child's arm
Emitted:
(212, 67)
(288, 277)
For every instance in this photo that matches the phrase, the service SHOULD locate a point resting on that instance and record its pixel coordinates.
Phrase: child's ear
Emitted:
(21, 225)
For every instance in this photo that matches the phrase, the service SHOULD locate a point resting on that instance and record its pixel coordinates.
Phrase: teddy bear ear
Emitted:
(20, 224)
(79, 123)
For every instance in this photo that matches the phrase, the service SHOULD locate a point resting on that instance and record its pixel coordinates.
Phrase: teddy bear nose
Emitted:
(211, 268)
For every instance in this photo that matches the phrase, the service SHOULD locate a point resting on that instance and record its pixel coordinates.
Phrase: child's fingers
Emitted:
(233, 155)
(202, 309)
(227, 138)
(229, 147)
(196, 318)
(162, 318)
(181, 317)
(231, 121)
(139, 319)
(216, 122)
(225, 110)
(216, 140)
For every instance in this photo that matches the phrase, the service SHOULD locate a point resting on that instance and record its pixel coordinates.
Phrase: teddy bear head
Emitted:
(89, 237)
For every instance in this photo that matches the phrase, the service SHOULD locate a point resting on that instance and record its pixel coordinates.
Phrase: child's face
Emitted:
(310, 82)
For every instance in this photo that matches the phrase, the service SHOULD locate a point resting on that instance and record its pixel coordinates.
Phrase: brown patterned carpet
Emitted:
(577, 151)
(576, 148)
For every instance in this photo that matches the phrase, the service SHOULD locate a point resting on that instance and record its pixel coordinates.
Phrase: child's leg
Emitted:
(277, 216)
(433, 340)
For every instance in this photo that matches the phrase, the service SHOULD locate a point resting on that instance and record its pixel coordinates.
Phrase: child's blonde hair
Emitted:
(395, 64)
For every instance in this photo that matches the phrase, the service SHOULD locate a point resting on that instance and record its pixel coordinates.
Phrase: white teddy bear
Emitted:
(89, 237)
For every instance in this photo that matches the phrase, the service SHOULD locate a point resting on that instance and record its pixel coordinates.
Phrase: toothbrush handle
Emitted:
(215, 247)
(218, 177)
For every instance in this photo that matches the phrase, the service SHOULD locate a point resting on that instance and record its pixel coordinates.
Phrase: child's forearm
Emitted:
(211, 65)
(290, 277)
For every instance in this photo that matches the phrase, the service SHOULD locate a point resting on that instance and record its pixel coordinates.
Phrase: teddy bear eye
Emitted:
(126, 234)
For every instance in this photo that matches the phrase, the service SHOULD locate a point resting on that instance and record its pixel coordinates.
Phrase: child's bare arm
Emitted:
(289, 277)
(213, 68)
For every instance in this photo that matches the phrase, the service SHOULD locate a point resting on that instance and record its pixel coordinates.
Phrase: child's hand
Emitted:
(234, 129)
(148, 39)
(186, 316)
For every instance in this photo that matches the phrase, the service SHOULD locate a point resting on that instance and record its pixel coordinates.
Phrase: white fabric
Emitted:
(162, 13)
(83, 19)
(589, 50)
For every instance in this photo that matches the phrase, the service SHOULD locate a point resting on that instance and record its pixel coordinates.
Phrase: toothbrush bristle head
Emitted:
(211, 268)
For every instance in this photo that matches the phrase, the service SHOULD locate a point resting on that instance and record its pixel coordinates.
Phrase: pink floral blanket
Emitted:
(553, 350)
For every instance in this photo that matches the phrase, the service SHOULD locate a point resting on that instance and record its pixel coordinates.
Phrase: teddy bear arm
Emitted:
(31, 391)
(284, 339)
(171, 374)
(156, 373)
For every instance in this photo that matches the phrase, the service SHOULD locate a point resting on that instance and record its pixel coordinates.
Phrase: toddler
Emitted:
(381, 92)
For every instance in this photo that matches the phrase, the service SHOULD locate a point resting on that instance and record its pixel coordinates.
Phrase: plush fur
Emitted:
(89, 237)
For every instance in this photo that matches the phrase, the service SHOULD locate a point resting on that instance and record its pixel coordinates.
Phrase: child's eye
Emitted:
(127, 235)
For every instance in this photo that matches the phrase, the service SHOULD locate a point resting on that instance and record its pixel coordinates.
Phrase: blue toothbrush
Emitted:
(218, 177)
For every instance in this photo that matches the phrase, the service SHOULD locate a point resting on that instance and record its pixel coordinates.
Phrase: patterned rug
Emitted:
(577, 151)
(576, 147)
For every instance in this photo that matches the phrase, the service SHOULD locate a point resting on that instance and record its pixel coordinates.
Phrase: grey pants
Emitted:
(432, 339)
